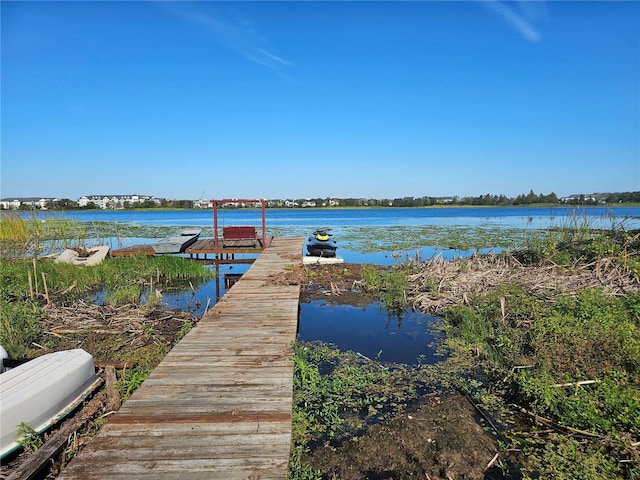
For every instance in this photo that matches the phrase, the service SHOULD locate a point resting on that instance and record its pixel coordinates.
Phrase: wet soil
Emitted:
(442, 438)
(337, 284)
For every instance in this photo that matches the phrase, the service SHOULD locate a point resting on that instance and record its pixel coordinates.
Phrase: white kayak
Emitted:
(41, 392)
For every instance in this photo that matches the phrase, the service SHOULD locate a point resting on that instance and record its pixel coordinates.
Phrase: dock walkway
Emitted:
(219, 405)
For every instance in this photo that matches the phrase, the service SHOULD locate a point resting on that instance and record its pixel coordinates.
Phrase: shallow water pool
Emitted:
(410, 338)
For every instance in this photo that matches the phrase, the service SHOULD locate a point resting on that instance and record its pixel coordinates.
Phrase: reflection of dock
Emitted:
(219, 404)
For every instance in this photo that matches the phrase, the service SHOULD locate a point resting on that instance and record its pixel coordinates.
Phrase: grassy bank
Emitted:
(29, 281)
(27, 286)
(569, 363)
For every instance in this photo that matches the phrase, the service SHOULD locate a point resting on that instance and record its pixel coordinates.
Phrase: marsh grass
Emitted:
(390, 284)
(123, 295)
(33, 236)
(19, 325)
(576, 241)
(27, 285)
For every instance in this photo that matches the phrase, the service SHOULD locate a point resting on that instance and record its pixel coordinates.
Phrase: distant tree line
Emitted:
(530, 198)
(164, 203)
(487, 200)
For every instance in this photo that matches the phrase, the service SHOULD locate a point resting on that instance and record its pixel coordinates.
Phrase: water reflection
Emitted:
(372, 332)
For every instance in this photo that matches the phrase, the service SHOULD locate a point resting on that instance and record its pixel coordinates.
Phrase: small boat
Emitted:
(177, 243)
(321, 244)
(41, 392)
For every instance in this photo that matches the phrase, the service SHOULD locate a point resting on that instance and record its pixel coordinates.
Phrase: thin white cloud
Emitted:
(273, 57)
(513, 19)
(237, 36)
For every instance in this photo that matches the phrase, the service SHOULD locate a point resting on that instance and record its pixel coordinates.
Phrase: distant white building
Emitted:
(10, 204)
(202, 203)
(115, 201)
(26, 202)
(589, 197)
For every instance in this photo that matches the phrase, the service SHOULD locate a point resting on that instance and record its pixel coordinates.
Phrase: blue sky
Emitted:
(315, 99)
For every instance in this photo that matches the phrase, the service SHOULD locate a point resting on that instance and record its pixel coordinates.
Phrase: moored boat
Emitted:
(321, 244)
(42, 391)
(177, 243)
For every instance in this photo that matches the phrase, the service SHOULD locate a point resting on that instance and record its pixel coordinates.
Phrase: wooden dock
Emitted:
(205, 247)
(219, 404)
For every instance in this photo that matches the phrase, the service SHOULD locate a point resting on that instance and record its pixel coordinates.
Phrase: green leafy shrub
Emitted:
(390, 284)
(28, 438)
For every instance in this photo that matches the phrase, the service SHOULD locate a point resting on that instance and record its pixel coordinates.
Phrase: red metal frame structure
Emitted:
(215, 218)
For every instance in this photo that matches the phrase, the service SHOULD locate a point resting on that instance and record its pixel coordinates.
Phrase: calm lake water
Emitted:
(300, 221)
(353, 225)
(409, 338)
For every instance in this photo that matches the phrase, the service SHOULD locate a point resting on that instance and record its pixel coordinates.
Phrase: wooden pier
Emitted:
(226, 249)
(219, 404)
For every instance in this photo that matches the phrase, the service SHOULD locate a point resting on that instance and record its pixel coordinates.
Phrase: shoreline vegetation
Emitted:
(542, 341)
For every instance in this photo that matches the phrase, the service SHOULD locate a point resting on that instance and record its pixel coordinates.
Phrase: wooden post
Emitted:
(46, 290)
(113, 395)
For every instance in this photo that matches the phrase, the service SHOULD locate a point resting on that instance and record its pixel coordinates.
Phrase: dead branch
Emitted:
(549, 423)
(491, 462)
(574, 384)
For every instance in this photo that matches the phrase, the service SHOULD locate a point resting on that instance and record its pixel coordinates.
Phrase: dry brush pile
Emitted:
(441, 283)
(129, 326)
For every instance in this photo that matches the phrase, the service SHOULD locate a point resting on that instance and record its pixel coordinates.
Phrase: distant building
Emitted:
(202, 203)
(10, 204)
(588, 198)
(26, 202)
(116, 201)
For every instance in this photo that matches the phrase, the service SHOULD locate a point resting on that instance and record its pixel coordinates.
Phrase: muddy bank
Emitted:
(434, 433)
(443, 438)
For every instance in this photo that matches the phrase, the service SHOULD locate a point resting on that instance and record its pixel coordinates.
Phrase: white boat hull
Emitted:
(41, 392)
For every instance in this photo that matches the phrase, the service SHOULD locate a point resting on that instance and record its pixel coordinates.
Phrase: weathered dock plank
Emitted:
(219, 405)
